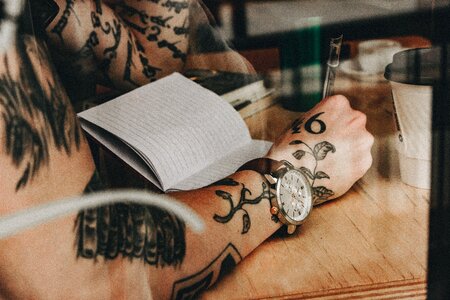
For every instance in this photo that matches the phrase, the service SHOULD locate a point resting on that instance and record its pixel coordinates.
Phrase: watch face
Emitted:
(294, 196)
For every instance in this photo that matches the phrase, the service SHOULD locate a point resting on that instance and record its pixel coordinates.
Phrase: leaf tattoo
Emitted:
(246, 223)
(321, 194)
(321, 175)
(296, 142)
(299, 154)
(321, 150)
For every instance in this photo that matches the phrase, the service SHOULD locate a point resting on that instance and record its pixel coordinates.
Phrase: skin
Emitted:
(45, 262)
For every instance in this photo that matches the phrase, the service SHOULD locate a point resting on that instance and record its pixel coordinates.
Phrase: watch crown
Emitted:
(274, 210)
(291, 229)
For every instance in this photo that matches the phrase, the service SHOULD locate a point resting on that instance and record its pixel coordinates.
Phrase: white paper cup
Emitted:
(413, 106)
(412, 74)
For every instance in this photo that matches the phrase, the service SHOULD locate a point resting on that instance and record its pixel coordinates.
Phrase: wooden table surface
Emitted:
(370, 243)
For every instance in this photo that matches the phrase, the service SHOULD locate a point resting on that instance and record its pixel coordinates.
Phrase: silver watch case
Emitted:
(277, 208)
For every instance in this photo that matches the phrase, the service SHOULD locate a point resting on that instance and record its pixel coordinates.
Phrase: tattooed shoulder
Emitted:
(36, 114)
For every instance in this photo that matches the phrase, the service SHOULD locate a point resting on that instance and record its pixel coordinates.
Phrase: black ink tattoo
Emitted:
(148, 233)
(177, 53)
(88, 49)
(310, 125)
(314, 120)
(97, 23)
(296, 126)
(153, 37)
(314, 126)
(149, 71)
(111, 52)
(36, 115)
(183, 30)
(129, 64)
(243, 200)
(63, 21)
(141, 30)
(158, 20)
(177, 6)
(98, 7)
(191, 287)
(319, 152)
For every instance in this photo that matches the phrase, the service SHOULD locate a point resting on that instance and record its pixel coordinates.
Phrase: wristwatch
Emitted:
(293, 199)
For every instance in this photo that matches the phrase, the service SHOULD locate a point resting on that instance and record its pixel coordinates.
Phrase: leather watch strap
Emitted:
(261, 165)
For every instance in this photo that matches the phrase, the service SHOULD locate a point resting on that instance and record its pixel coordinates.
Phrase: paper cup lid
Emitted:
(419, 66)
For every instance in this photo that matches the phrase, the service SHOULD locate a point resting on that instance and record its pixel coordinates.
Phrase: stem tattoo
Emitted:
(318, 152)
(243, 200)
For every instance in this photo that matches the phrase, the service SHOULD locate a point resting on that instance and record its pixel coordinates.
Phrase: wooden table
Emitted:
(370, 243)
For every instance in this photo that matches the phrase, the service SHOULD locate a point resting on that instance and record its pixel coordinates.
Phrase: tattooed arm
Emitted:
(125, 44)
(330, 145)
(128, 46)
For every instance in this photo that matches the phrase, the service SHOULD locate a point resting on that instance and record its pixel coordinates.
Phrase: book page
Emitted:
(178, 125)
(225, 166)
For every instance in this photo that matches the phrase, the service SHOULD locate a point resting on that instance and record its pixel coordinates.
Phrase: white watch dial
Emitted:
(294, 195)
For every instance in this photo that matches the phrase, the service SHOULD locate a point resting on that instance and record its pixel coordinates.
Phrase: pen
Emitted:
(332, 64)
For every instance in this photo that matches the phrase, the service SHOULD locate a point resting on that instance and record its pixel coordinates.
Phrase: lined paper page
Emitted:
(225, 166)
(180, 126)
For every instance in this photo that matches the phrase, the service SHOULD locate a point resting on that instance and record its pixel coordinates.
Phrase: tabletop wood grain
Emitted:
(370, 243)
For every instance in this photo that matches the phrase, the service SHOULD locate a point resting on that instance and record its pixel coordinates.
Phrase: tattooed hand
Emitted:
(331, 146)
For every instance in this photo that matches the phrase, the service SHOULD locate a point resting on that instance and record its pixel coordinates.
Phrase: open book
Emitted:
(177, 134)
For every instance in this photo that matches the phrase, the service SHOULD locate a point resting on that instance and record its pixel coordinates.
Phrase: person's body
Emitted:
(125, 44)
(111, 252)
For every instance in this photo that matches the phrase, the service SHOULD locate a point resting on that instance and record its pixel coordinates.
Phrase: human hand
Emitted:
(331, 146)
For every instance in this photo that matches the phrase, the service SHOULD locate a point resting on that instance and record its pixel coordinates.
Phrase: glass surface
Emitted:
(267, 59)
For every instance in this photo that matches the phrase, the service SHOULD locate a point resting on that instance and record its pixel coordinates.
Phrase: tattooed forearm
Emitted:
(243, 201)
(35, 113)
(318, 152)
(191, 287)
